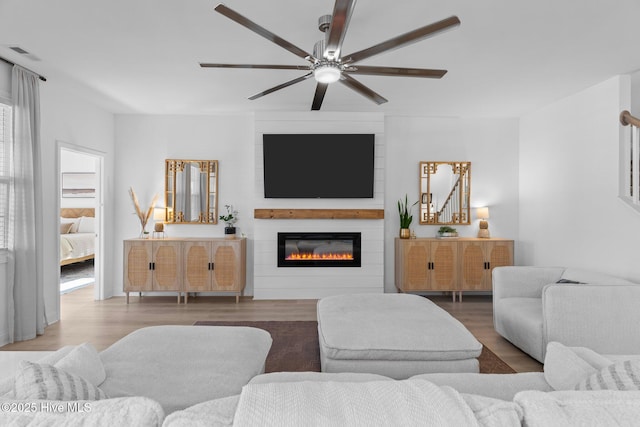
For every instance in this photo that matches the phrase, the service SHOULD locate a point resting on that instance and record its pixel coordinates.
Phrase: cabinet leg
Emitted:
(460, 296)
(179, 297)
(237, 298)
(453, 296)
(127, 293)
(186, 297)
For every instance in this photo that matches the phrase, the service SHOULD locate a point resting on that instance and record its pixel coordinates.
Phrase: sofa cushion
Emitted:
(179, 366)
(212, 413)
(10, 361)
(623, 376)
(496, 386)
(391, 327)
(408, 402)
(287, 377)
(520, 322)
(493, 412)
(131, 411)
(587, 276)
(46, 382)
(84, 362)
(565, 367)
(579, 408)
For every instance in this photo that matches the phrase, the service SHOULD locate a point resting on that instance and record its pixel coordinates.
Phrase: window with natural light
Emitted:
(5, 138)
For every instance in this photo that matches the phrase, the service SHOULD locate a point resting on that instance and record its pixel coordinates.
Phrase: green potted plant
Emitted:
(230, 219)
(405, 217)
(447, 232)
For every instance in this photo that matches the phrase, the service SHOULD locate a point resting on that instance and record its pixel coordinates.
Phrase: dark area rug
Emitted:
(295, 347)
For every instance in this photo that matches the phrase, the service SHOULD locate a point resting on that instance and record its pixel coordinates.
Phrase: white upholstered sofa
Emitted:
(311, 398)
(533, 306)
(565, 394)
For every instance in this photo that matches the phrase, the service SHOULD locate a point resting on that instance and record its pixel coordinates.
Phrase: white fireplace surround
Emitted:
(273, 282)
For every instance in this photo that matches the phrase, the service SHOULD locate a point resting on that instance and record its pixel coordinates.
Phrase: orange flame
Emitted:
(311, 256)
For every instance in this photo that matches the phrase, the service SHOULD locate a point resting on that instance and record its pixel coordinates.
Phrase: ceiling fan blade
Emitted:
(404, 39)
(246, 22)
(321, 89)
(352, 83)
(339, 22)
(257, 66)
(281, 86)
(395, 71)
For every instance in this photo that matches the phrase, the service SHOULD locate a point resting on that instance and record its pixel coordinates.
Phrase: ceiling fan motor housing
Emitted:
(318, 49)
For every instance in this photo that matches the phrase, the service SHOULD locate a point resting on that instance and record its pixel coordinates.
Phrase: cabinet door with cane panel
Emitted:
(152, 265)
(215, 266)
(478, 259)
(426, 265)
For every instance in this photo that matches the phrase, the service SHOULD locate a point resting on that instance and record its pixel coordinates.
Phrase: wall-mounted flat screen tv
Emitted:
(330, 166)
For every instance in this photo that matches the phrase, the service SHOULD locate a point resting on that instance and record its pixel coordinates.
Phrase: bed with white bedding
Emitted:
(77, 235)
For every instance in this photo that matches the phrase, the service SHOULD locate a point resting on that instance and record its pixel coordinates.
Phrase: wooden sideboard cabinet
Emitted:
(455, 265)
(185, 265)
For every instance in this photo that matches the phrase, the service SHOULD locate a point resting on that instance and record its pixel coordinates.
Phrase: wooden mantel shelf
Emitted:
(318, 213)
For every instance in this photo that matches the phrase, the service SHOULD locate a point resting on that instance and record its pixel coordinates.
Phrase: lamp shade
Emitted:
(159, 214)
(482, 213)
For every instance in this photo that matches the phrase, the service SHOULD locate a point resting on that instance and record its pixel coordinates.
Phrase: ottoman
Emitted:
(397, 335)
(180, 366)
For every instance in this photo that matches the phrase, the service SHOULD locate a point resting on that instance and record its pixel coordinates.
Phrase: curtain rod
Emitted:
(13, 63)
(627, 119)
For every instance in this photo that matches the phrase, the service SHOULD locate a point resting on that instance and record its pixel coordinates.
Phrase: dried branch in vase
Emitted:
(142, 216)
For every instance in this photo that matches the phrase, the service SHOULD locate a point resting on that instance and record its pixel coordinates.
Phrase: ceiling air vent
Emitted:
(23, 52)
(18, 49)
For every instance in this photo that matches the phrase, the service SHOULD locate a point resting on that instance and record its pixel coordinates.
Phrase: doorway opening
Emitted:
(80, 212)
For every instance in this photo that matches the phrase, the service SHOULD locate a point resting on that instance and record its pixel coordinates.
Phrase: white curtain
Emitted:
(26, 291)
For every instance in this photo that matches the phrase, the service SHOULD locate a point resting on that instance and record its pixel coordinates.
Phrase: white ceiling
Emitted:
(507, 57)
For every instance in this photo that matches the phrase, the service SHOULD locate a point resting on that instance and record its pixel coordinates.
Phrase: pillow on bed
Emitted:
(75, 222)
(87, 225)
(65, 227)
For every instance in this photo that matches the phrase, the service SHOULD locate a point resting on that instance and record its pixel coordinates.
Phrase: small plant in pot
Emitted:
(405, 217)
(230, 219)
(446, 231)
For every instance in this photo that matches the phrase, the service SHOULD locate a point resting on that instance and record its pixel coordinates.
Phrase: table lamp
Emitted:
(159, 216)
(483, 215)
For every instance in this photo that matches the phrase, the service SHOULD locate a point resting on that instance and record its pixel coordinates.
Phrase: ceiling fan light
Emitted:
(328, 73)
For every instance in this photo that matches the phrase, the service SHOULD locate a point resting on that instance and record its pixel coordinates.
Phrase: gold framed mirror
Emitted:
(445, 189)
(191, 191)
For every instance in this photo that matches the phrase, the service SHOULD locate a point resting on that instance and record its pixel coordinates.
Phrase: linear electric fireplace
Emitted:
(319, 250)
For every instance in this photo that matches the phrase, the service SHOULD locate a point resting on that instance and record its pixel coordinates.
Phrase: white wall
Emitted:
(491, 145)
(69, 117)
(143, 144)
(272, 282)
(570, 214)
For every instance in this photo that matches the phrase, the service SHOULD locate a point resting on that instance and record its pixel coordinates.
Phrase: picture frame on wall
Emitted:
(79, 184)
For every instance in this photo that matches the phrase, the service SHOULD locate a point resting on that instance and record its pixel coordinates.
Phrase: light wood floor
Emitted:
(104, 322)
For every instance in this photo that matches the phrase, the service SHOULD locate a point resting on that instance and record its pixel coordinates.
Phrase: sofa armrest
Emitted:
(523, 282)
(604, 318)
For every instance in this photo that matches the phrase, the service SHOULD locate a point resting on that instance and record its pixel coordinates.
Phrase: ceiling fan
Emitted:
(327, 64)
